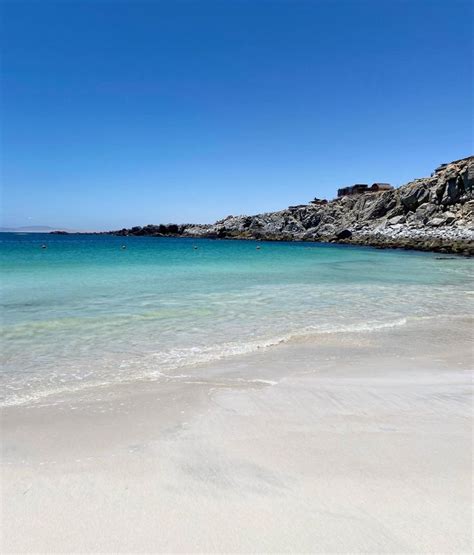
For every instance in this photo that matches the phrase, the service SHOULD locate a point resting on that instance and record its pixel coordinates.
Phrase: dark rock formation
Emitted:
(344, 234)
(434, 213)
(150, 230)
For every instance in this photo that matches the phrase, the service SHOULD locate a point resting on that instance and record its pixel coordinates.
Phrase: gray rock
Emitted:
(414, 196)
(449, 217)
(453, 191)
(396, 220)
(327, 229)
(436, 222)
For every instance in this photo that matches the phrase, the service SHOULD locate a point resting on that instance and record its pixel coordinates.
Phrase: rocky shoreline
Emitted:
(435, 213)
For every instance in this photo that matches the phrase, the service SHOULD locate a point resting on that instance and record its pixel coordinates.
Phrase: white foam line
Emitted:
(211, 354)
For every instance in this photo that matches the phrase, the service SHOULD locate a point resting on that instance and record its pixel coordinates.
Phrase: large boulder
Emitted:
(413, 197)
(437, 221)
(379, 205)
(453, 191)
(396, 220)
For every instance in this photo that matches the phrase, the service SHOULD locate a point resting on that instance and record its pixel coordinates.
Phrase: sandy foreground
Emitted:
(334, 444)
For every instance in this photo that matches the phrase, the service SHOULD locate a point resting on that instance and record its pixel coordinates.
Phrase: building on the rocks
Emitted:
(353, 190)
(359, 188)
(380, 187)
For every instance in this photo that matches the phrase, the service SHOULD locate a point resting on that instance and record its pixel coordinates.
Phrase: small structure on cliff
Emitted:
(359, 188)
(353, 190)
(376, 187)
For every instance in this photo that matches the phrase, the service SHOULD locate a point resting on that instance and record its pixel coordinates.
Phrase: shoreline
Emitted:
(356, 442)
(441, 245)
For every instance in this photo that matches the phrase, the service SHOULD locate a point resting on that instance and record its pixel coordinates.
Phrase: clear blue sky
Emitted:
(123, 113)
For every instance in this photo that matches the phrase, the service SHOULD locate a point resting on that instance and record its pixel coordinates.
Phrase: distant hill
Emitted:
(33, 229)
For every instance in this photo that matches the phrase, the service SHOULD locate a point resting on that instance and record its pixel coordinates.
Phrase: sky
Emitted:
(129, 113)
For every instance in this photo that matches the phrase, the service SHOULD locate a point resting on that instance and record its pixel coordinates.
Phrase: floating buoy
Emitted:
(124, 246)
(258, 248)
(195, 247)
(44, 246)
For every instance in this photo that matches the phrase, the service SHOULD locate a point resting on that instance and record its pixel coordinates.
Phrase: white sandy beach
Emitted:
(343, 443)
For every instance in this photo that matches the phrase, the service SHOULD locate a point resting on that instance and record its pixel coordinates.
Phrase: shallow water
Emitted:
(85, 312)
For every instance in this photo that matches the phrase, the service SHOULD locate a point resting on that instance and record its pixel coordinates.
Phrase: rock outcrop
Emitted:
(433, 213)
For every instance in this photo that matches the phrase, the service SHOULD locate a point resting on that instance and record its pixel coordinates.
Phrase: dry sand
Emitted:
(342, 443)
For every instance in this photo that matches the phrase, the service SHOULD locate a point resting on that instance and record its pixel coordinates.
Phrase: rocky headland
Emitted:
(433, 213)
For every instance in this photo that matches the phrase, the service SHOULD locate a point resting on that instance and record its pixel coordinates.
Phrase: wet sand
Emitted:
(332, 444)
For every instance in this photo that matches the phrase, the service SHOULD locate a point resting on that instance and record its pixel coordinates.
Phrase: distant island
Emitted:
(433, 213)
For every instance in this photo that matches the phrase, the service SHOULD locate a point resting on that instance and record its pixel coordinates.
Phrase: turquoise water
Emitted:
(85, 312)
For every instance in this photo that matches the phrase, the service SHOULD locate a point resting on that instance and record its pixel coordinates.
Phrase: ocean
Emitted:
(94, 310)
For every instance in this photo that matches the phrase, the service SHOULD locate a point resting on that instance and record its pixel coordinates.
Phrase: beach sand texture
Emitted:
(342, 443)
